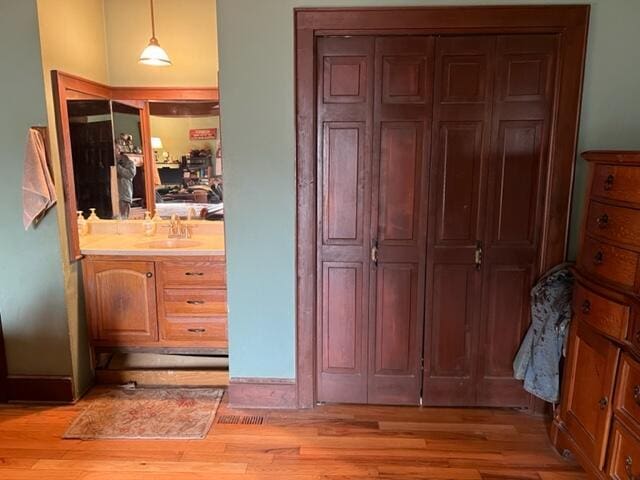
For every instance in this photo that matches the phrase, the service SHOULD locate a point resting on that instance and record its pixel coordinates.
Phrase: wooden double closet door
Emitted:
(433, 171)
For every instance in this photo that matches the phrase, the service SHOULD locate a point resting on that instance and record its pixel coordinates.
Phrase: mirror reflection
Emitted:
(108, 164)
(91, 131)
(185, 139)
(130, 167)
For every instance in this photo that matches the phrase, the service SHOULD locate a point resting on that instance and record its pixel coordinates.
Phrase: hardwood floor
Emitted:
(333, 442)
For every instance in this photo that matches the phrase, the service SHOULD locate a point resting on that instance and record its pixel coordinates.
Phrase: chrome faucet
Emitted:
(177, 229)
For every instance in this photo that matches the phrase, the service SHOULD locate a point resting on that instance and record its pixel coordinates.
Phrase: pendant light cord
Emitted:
(153, 21)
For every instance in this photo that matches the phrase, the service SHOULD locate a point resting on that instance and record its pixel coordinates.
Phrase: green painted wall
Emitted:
(32, 301)
(255, 40)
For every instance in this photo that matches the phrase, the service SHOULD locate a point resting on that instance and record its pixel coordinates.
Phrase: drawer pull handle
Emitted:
(603, 220)
(194, 274)
(636, 394)
(628, 464)
(598, 258)
(196, 330)
(149, 274)
(586, 306)
(608, 183)
(603, 402)
(195, 302)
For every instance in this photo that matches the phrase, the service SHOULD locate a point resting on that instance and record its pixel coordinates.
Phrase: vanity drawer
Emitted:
(624, 453)
(613, 264)
(194, 330)
(619, 224)
(193, 274)
(616, 183)
(627, 402)
(603, 314)
(203, 302)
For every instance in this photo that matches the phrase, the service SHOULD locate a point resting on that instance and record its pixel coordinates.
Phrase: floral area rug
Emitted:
(172, 413)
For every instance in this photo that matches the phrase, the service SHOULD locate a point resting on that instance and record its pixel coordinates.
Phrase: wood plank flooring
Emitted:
(332, 442)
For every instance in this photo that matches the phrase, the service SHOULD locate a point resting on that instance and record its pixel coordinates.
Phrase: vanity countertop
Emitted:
(138, 244)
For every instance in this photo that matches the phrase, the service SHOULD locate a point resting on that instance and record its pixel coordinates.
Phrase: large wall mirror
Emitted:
(185, 138)
(129, 150)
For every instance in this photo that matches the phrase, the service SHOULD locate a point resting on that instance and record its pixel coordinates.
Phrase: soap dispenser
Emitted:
(93, 217)
(148, 225)
(83, 226)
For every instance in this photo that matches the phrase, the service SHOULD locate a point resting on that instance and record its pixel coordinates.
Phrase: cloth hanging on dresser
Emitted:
(38, 191)
(538, 359)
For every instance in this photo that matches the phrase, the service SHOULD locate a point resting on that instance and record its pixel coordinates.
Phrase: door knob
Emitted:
(603, 402)
(149, 274)
(628, 465)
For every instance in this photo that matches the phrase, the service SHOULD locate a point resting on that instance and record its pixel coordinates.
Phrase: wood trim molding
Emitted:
(570, 22)
(40, 389)
(245, 392)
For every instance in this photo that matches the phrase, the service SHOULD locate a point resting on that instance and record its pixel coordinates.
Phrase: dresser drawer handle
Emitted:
(603, 402)
(598, 258)
(603, 220)
(194, 274)
(636, 394)
(149, 274)
(195, 302)
(196, 330)
(628, 464)
(586, 306)
(608, 183)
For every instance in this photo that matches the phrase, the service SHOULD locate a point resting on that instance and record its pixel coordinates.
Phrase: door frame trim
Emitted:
(570, 22)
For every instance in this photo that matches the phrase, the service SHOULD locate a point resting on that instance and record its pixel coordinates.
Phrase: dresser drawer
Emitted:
(616, 183)
(603, 314)
(194, 330)
(203, 302)
(193, 274)
(619, 224)
(624, 453)
(613, 264)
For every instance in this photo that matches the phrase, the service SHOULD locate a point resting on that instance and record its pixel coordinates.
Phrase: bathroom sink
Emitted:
(169, 243)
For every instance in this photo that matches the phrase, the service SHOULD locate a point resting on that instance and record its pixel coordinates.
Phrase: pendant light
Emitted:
(154, 54)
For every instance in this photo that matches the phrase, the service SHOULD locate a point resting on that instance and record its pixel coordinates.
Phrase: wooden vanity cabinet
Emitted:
(121, 301)
(160, 302)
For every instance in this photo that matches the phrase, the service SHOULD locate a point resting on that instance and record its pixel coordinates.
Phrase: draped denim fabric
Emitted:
(538, 360)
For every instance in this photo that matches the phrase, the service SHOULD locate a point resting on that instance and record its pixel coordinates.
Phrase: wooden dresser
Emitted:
(598, 420)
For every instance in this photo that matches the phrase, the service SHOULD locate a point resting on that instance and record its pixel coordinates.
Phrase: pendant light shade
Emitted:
(154, 54)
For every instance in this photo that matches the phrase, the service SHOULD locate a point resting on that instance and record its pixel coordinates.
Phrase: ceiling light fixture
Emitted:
(154, 54)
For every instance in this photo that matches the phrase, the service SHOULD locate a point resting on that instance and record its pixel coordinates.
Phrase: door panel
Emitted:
(589, 378)
(521, 122)
(345, 95)
(342, 183)
(402, 130)
(462, 126)
(122, 309)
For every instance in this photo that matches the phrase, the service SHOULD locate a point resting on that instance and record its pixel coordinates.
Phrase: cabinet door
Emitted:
(121, 302)
(589, 378)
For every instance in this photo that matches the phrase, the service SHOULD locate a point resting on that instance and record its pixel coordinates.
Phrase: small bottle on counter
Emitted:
(156, 218)
(93, 217)
(83, 226)
(148, 225)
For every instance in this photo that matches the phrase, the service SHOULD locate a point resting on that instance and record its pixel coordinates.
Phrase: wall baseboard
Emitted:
(39, 389)
(245, 392)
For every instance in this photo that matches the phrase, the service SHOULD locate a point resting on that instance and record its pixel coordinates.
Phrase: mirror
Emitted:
(130, 165)
(108, 163)
(185, 139)
(91, 132)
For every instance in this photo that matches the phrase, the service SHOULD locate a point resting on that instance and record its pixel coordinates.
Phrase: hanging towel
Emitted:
(38, 192)
(538, 360)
